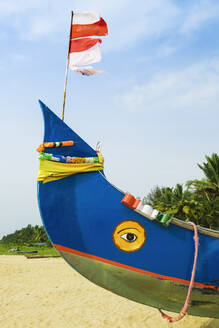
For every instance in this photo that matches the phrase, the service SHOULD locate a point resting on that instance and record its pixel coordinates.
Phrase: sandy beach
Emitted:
(49, 293)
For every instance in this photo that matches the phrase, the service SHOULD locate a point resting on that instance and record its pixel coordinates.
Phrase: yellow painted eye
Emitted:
(129, 236)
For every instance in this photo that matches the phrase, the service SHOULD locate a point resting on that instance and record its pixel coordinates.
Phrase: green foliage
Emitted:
(27, 235)
(211, 169)
(198, 202)
(208, 186)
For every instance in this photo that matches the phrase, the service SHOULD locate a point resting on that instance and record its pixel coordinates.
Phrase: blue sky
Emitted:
(155, 107)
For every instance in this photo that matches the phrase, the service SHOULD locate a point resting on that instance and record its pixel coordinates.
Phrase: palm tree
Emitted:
(185, 205)
(208, 186)
(174, 201)
(199, 202)
(158, 195)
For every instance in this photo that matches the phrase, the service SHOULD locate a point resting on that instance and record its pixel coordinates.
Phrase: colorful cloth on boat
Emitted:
(69, 159)
(51, 170)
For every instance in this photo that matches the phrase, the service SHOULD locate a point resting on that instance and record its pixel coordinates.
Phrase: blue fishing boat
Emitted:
(111, 238)
(114, 244)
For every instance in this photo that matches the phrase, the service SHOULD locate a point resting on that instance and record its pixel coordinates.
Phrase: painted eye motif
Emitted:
(129, 236)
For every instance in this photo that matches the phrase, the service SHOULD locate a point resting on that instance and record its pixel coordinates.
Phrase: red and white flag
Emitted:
(84, 52)
(88, 24)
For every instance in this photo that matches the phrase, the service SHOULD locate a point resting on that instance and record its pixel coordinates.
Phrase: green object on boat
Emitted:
(165, 219)
(159, 216)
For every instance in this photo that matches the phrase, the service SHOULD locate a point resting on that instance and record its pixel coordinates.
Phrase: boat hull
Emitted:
(142, 288)
(81, 214)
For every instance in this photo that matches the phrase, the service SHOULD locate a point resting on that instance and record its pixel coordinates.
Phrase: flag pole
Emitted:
(66, 71)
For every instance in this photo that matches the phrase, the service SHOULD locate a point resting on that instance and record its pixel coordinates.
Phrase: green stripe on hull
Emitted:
(141, 288)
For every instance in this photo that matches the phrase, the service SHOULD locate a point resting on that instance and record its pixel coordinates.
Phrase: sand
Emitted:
(49, 293)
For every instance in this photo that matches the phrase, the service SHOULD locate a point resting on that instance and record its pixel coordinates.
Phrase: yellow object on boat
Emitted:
(50, 171)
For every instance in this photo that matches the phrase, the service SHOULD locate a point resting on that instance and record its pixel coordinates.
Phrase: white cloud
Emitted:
(11, 7)
(154, 20)
(193, 88)
(166, 49)
(43, 26)
(200, 14)
(128, 23)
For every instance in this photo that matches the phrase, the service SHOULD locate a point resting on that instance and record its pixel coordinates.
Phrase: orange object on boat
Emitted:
(40, 148)
(67, 143)
(48, 144)
(51, 144)
(135, 204)
(128, 200)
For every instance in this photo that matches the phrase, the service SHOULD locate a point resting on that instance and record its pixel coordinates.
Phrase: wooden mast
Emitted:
(66, 71)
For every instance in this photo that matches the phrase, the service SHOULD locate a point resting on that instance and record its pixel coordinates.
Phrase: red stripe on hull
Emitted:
(124, 266)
